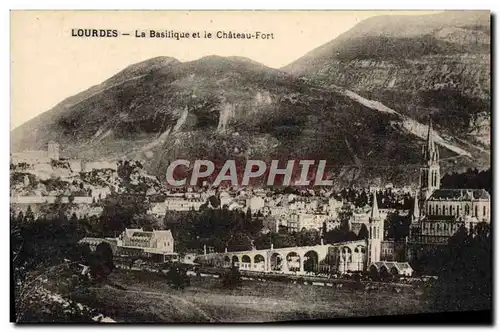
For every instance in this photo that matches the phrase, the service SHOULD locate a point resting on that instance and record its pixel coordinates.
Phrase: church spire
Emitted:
(430, 140)
(374, 213)
(416, 211)
(431, 153)
(430, 176)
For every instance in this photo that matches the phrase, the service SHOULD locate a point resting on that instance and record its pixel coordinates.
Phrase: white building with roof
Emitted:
(394, 268)
(160, 241)
(255, 203)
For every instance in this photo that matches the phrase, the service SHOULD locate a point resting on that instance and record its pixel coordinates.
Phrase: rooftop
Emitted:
(389, 265)
(440, 218)
(91, 240)
(459, 194)
(142, 234)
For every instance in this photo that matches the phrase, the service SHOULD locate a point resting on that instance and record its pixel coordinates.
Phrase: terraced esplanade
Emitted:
(339, 257)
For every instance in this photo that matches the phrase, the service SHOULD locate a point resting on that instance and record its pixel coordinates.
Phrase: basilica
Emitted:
(438, 213)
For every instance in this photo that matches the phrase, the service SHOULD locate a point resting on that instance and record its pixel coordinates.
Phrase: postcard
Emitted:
(250, 166)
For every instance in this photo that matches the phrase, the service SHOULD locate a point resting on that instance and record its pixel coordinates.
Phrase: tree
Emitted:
(345, 214)
(214, 201)
(248, 215)
(50, 256)
(283, 240)
(232, 278)
(29, 217)
(307, 238)
(363, 233)
(20, 217)
(35, 303)
(73, 218)
(472, 178)
(101, 261)
(341, 233)
(177, 277)
(120, 210)
(263, 241)
(55, 211)
(147, 222)
(397, 226)
(239, 242)
(465, 276)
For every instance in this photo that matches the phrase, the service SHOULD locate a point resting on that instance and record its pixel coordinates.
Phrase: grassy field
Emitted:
(134, 296)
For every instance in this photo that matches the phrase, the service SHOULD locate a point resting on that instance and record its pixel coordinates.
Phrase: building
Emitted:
(393, 250)
(155, 241)
(394, 268)
(375, 233)
(37, 156)
(87, 166)
(173, 203)
(225, 198)
(255, 203)
(310, 221)
(138, 243)
(342, 257)
(34, 157)
(334, 207)
(92, 242)
(333, 258)
(270, 224)
(438, 213)
(291, 221)
(50, 163)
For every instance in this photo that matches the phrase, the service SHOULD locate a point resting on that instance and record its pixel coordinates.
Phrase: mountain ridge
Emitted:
(221, 108)
(436, 65)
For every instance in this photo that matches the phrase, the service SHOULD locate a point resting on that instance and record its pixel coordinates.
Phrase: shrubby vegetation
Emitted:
(176, 277)
(471, 179)
(232, 278)
(49, 265)
(464, 270)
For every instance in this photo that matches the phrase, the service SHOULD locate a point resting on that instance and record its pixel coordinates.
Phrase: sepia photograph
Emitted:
(251, 166)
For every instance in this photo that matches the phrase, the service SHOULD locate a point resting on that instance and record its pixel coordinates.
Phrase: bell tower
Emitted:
(430, 176)
(375, 233)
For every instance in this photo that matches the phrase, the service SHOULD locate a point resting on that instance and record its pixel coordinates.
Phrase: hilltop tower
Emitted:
(430, 176)
(375, 233)
(53, 150)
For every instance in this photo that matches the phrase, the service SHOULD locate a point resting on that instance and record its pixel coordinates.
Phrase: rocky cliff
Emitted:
(435, 65)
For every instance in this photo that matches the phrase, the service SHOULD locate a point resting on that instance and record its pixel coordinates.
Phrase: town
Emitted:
(252, 169)
(274, 229)
(328, 236)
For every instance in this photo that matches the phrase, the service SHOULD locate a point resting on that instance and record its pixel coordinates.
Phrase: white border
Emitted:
(190, 4)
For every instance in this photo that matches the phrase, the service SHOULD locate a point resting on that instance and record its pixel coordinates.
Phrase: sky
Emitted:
(49, 65)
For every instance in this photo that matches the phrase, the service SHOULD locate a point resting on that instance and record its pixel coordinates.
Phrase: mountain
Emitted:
(221, 108)
(435, 64)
